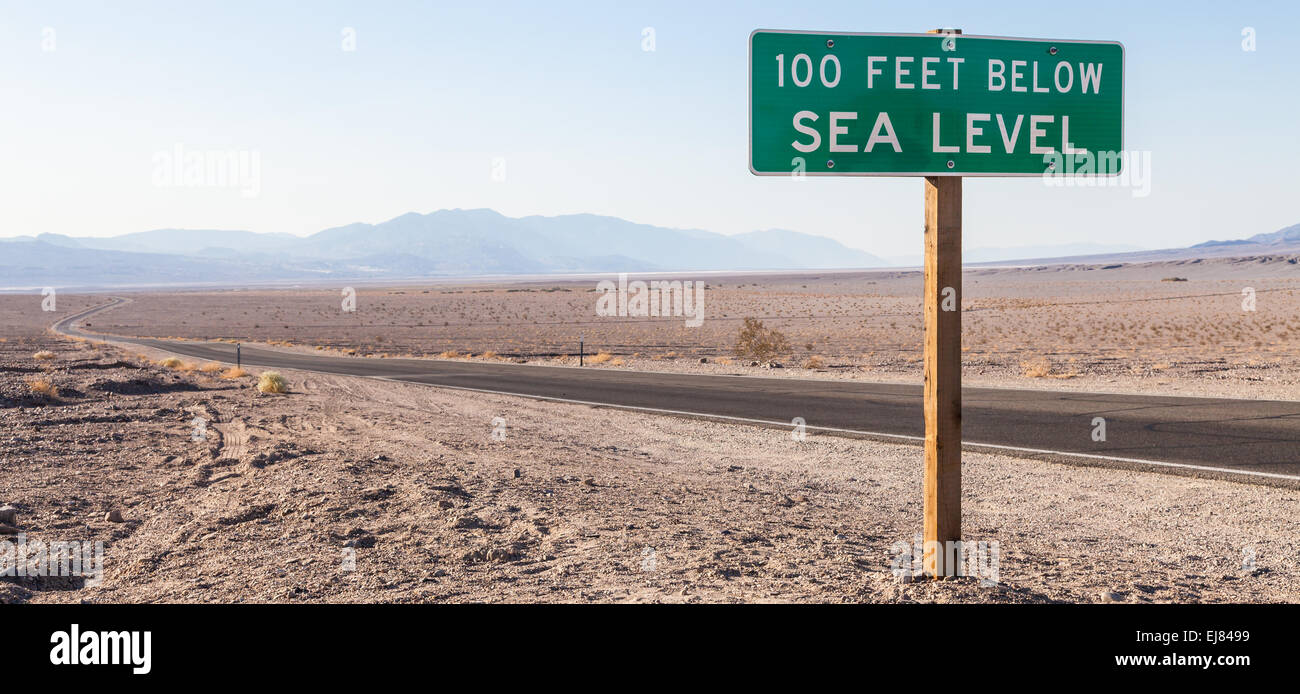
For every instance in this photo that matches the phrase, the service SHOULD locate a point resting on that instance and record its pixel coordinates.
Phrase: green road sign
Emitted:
(834, 104)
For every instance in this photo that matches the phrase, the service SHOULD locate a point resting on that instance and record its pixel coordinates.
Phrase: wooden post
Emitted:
(942, 487)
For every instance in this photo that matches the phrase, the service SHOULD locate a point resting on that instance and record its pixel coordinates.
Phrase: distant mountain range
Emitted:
(993, 255)
(446, 243)
(452, 243)
(1284, 241)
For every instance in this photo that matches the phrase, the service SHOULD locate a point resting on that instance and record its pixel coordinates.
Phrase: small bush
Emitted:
(617, 361)
(488, 355)
(171, 363)
(600, 358)
(450, 354)
(233, 373)
(1037, 368)
(210, 367)
(759, 342)
(814, 362)
(272, 382)
(43, 387)
(43, 355)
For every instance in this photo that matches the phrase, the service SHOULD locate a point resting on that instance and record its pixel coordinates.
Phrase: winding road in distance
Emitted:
(1248, 440)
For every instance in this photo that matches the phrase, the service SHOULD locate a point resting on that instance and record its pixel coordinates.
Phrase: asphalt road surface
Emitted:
(1216, 436)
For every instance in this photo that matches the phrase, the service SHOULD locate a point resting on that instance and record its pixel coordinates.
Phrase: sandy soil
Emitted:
(574, 504)
(1125, 328)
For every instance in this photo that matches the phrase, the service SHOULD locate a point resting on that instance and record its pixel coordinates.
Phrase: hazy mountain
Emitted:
(1282, 241)
(179, 241)
(442, 243)
(450, 243)
(995, 254)
(1288, 237)
(807, 250)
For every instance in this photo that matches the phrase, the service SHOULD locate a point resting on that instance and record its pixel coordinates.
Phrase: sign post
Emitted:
(941, 106)
(941, 485)
(941, 489)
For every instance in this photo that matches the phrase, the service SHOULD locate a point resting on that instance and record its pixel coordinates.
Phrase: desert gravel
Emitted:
(568, 503)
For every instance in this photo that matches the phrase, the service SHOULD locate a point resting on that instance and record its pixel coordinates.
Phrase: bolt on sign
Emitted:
(840, 104)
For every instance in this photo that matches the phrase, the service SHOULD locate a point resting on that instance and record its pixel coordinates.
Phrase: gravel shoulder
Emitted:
(357, 490)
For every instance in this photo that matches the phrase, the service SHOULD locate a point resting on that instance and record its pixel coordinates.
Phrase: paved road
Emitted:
(1259, 438)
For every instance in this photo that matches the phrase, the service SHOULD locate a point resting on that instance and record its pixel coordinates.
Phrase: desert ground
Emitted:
(1176, 326)
(347, 489)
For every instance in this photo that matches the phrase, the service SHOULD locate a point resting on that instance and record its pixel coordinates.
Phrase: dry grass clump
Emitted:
(488, 355)
(43, 387)
(1038, 367)
(43, 355)
(210, 367)
(617, 361)
(450, 354)
(759, 342)
(272, 382)
(814, 362)
(171, 363)
(234, 372)
(601, 357)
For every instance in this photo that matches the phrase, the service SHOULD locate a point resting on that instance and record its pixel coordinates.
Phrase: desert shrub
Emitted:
(43, 387)
(814, 362)
(171, 363)
(488, 355)
(210, 367)
(234, 372)
(1038, 367)
(43, 355)
(600, 358)
(759, 342)
(450, 354)
(272, 382)
(617, 361)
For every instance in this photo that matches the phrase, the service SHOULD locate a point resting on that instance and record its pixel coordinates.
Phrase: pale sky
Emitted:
(587, 121)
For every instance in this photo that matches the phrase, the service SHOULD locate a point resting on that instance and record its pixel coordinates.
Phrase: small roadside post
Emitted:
(238, 356)
(579, 349)
(940, 106)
